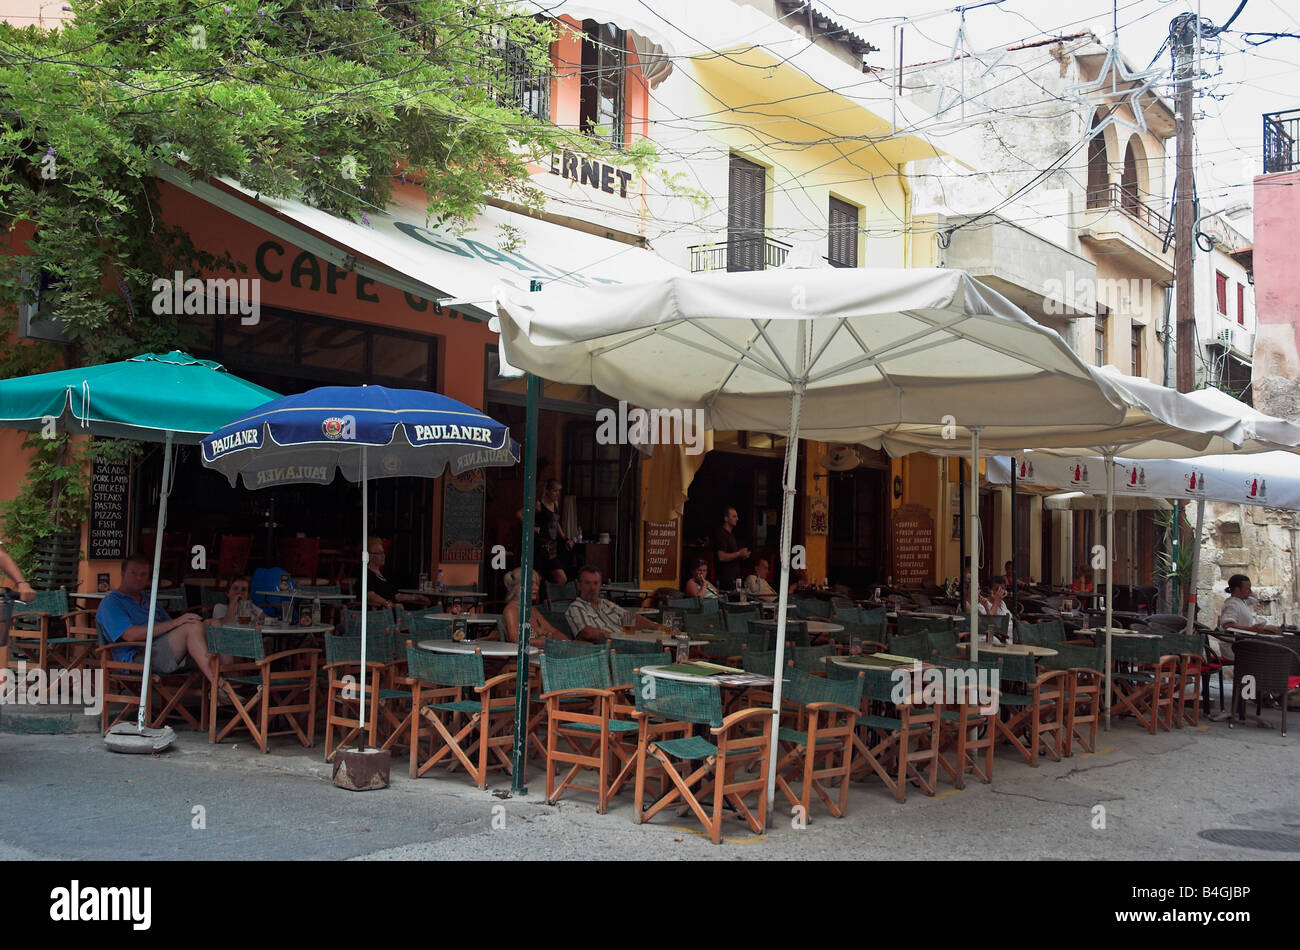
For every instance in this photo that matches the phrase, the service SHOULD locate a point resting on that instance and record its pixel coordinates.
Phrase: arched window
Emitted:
(1098, 169)
(1131, 182)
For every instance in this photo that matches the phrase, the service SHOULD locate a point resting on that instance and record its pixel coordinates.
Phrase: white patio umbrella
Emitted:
(836, 355)
(1158, 423)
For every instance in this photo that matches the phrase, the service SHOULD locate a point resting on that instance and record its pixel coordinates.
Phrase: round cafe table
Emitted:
(492, 648)
(1022, 649)
(722, 679)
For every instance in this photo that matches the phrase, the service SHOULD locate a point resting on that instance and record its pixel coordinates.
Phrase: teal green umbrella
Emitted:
(147, 398)
(154, 397)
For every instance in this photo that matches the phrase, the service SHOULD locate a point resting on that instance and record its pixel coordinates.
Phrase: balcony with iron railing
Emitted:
(1115, 195)
(738, 254)
(1282, 141)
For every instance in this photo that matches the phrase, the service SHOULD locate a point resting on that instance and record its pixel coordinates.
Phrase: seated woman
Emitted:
(993, 604)
(541, 629)
(229, 611)
(1081, 582)
(698, 585)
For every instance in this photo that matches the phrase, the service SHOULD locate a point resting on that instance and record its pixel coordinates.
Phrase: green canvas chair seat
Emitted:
(467, 706)
(759, 662)
(737, 621)
(285, 692)
(689, 748)
(565, 649)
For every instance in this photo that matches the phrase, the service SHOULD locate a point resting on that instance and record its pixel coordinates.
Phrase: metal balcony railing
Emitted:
(738, 254)
(1115, 195)
(1281, 141)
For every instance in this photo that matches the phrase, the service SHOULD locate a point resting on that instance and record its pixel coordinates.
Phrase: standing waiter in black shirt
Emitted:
(727, 552)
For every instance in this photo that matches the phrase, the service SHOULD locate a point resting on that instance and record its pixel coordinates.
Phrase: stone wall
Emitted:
(1257, 542)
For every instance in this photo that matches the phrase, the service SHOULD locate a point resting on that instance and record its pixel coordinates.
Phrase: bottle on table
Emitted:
(441, 586)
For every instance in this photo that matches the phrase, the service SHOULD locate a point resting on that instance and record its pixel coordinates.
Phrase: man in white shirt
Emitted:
(1236, 611)
(594, 618)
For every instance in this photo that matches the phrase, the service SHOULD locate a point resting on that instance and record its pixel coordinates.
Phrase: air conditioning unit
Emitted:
(1224, 337)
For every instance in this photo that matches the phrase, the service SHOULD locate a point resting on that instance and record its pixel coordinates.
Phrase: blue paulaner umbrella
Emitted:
(364, 432)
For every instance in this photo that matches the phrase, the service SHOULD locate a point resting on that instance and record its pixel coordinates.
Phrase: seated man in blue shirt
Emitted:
(124, 617)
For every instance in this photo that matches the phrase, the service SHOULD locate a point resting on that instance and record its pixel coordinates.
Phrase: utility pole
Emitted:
(1183, 33)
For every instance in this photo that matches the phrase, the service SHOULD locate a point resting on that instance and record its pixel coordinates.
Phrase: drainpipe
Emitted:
(907, 211)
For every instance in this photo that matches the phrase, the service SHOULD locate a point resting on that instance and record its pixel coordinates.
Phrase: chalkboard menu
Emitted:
(659, 563)
(913, 547)
(110, 489)
(462, 516)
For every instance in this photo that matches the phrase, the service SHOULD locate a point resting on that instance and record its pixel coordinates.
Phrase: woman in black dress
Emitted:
(550, 534)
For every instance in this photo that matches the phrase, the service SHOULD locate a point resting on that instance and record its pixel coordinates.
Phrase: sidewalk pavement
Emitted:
(67, 797)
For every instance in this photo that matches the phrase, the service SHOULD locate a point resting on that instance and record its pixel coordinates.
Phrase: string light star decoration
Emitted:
(1115, 84)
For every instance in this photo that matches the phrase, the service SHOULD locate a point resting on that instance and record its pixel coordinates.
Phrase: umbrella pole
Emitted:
(1014, 538)
(520, 750)
(1110, 547)
(783, 592)
(1196, 563)
(365, 592)
(153, 590)
(974, 532)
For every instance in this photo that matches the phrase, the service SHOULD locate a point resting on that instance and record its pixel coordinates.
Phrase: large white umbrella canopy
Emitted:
(1159, 423)
(829, 354)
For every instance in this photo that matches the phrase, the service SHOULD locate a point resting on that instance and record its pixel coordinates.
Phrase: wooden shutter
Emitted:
(746, 228)
(842, 236)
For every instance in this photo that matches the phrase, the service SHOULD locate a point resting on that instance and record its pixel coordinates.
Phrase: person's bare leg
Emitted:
(558, 576)
(192, 638)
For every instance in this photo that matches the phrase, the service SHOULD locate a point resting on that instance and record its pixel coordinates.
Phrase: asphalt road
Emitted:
(66, 797)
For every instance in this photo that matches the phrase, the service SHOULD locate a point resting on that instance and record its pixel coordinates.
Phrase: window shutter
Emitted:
(746, 229)
(842, 237)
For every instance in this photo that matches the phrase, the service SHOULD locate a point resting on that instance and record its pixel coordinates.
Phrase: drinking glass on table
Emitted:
(244, 611)
(629, 623)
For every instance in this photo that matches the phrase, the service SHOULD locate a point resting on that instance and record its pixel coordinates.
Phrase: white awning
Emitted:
(400, 248)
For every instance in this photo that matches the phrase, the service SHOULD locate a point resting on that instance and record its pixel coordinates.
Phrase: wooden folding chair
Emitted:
(901, 748)
(696, 768)
(595, 737)
(966, 727)
(1144, 682)
(1032, 707)
(818, 743)
(344, 691)
(258, 691)
(1190, 649)
(557, 649)
(167, 694)
(471, 732)
(1084, 681)
(47, 633)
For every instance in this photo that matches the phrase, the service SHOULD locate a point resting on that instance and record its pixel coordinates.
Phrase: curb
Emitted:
(46, 720)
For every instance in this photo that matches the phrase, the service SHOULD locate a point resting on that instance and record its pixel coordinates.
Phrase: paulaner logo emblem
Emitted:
(340, 427)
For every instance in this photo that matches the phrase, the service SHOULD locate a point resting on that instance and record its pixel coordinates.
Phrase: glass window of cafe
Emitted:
(292, 352)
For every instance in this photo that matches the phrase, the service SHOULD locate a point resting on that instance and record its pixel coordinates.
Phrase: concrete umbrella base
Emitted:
(362, 770)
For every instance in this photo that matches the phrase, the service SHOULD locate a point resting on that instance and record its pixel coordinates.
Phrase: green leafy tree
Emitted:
(326, 102)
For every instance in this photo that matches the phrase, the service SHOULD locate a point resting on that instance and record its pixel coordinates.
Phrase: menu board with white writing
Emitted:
(110, 491)
(913, 548)
(659, 563)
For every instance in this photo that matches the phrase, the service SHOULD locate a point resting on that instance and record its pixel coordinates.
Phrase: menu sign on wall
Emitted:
(659, 563)
(913, 547)
(110, 491)
(462, 516)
